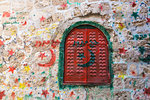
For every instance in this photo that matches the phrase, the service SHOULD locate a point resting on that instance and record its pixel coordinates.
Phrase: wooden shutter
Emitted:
(86, 57)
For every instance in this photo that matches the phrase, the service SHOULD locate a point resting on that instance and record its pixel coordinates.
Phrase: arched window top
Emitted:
(85, 57)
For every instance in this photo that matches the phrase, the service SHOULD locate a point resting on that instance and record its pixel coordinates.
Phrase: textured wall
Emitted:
(30, 33)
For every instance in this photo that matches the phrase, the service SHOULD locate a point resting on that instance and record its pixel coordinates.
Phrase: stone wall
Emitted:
(30, 33)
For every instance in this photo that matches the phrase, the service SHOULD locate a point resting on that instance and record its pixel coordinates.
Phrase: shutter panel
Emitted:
(74, 55)
(98, 73)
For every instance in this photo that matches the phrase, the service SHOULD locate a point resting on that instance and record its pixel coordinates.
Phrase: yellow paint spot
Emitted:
(19, 98)
(119, 8)
(22, 85)
(121, 76)
(27, 68)
(121, 26)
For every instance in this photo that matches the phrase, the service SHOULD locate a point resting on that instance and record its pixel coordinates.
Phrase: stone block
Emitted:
(133, 69)
(117, 83)
(104, 8)
(79, 1)
(59, 2)
(77, 11)
(95, 8)
(57, 17)
(92, 0)
(134, 83)
(42, 3)
(122, 95)
(5, 7)
(18, 5)
(144, 70)
(119, 68)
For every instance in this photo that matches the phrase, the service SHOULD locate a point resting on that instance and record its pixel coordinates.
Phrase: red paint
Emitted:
(39, 43)
(133, 4)
(72, 93)
(16, 80)
(11, 52)
(148, 20)
(53, 95)
(11, 69)
(45, 93)
(138, 98)
(13, 95)
(2, 94)
(75, 55)
(30, 93)
(42, 19)
(143, 74)
(24, 23)
(52, 60)
(122, 51)
(44, 43)
(101, 7)
(55, 43)
(64, 6)
(42, 55)
(133, 72)
(114, 11)
(1, 43)
(6, 14)
(147, 91)
(43, 79)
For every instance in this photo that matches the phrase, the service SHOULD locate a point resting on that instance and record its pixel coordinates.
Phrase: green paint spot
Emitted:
(38, 98)
(134, 83)
(57, 98)
(18, 79)
(129, 24)
(142, 50)
(50, 74)
(135, 15)
(0, 65)
(146, 59)
(136, 37)
(120, 33)
(32, 73)
(43, 72)
(77, 98)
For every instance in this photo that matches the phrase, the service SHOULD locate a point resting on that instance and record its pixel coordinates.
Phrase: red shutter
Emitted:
(86, 57)
(74, 73)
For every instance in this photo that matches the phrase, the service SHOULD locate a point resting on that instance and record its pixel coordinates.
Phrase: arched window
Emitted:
(86, 57)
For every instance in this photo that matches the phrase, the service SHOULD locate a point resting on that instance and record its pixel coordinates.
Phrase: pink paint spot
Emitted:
(6, 14)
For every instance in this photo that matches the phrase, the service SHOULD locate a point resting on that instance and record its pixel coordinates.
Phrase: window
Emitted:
(86, 57)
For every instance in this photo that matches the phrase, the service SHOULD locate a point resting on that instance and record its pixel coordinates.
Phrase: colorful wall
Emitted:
(30, 36)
